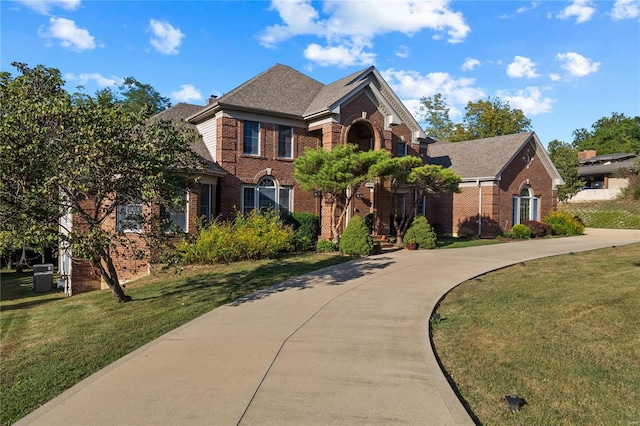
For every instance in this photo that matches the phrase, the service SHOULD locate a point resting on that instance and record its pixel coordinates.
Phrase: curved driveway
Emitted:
(345, 345)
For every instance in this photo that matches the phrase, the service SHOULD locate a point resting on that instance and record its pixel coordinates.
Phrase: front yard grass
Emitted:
(561, 332)
(50, 342)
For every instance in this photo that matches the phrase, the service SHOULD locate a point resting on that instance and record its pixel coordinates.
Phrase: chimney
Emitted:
(586, 154)
(211, 99)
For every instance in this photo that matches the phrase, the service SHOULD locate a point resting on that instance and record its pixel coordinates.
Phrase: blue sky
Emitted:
(564, 63)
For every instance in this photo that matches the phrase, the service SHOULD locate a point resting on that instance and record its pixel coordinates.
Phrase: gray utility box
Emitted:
(42, 278)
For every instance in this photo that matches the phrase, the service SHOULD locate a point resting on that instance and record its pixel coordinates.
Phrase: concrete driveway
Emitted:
(345, 345)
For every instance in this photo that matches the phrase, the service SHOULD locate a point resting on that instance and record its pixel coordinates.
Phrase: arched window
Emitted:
(525, 206)
(267, 195)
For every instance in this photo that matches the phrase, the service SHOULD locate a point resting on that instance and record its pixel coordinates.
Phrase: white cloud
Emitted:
(166, 38)
(402, 52)
(470, 64)
(410, 86)
(70, 36)
(529, 100)
(352, 25)
(342, 56)
(576, 64)
(523, 9)
(555, 77)
(44, 6)
(583, 10)
(522, 67)
(99, 79)
(186, 93)
(626, 9)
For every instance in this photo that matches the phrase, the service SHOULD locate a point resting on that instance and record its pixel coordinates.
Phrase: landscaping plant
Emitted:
(306, 227)
(326, 246)
(563, 223)
(521, 231)
(257, 235)
(421, 232)
(356, 239)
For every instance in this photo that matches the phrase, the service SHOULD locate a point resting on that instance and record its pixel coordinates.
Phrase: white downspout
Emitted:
(479, 208)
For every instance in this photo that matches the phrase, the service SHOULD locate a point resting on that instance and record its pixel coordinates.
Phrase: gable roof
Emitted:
(487, 158)
(178, 113)
(285, 92)
(333, 92)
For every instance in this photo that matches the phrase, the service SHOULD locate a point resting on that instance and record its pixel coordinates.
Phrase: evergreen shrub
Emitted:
(326, 246)
(356, 239)
(521, 231)
(421, 232)
(306, 227)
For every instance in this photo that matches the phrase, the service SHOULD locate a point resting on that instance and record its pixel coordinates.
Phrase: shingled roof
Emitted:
(280, 89)
(178, 113)
(481, 158)
(333, 92)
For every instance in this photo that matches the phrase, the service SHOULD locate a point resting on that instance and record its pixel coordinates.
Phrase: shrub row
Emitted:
(555, 223)
(253, 236)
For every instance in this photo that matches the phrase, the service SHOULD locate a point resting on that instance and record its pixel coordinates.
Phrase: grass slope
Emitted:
(50, 342)
(561, 332)
(616, 214)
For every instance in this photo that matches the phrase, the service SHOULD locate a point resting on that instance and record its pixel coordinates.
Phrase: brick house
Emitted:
(505, 181)
(251, 135)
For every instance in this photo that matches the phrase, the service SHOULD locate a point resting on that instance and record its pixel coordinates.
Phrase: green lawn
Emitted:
(50, 342)
(451, 242)
(562, 332)
(617, 214)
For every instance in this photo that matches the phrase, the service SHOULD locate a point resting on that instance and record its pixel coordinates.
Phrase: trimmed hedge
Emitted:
(326, 246)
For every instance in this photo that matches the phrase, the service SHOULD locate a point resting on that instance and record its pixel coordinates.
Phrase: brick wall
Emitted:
(451, 212)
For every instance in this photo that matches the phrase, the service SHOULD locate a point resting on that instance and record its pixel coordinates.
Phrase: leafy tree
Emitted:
(418, 180)
(609, 135)
(338, 174)
(84, 155)
(565, 158)
(139, 97)
(493, 117)
(435, 114)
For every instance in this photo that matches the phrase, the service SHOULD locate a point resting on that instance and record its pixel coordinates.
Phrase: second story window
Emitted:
(285, 142)
(128, 217)
(402, 149)
(251, 140)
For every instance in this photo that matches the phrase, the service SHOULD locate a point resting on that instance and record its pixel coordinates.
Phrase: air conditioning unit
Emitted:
(42, 278)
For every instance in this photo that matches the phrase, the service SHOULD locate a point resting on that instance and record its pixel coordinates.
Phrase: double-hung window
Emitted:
(251, 139)
(176, 219)
(285, 142)
(128, 217)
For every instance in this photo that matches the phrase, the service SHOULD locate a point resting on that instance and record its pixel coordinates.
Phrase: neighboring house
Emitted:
(506, 180)
(252, 135)
(601, 175)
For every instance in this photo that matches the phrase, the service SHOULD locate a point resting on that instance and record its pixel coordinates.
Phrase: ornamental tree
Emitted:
(85, 155)
(417, 180)
(337, 174)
